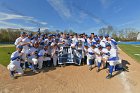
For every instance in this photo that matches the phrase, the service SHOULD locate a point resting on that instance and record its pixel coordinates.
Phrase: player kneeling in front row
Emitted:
(98, 57)
(91, 55)
(33, 57)
(113, 61)
(44, 58)
(15, 62)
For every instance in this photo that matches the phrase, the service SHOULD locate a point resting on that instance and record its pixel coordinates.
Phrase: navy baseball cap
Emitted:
(95, 36)
(22, 33)
(49, 35)
(92, 33)
(45, 45)
(107, 45)
(99, 46)
(30, 34)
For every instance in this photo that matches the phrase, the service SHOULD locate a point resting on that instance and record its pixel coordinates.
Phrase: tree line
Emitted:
(10, 35)
(125, 34)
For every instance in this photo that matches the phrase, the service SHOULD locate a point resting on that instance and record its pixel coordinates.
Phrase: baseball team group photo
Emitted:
(69, 46)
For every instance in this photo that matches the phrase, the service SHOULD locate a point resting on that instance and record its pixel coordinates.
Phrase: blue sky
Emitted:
(79, 15)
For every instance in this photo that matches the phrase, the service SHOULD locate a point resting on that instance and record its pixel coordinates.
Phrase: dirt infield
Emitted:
(74, 79)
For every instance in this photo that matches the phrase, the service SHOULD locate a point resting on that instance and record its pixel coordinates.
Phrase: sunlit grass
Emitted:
(131, 50)
(5, 53)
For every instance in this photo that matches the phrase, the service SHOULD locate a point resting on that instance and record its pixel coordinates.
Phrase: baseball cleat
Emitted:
(98, 70)
(35, 71)
(13, 77)
(125, 69)
(90, 68)
(109, 76)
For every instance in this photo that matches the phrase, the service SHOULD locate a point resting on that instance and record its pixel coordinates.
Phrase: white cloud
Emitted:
(7, 16)
(44, 28)
(44, 23)
(4, 24)
(64, 11)
(60, 7)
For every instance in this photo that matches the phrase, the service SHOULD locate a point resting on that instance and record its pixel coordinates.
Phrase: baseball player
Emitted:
(102, 41)
(113, 61)
(105, 55)
(26, 43)
(33, 57)
(48, 40)
(89, 40)
(41, 58)
(35, 39)
(98, 57)
(46, 56)
(14, 66)
(85, 51)
(92, 37)
(54, 53)
(18, 41)
(112, 42)
(91, 55)
(75, 41)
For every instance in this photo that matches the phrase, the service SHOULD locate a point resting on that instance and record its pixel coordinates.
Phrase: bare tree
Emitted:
(106, 30)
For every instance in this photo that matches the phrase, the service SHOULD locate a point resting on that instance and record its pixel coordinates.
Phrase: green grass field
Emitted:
(6, 45)
(4, 56)
(132, 50)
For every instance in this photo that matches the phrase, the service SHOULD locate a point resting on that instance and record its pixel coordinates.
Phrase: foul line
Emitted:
(125, 82)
